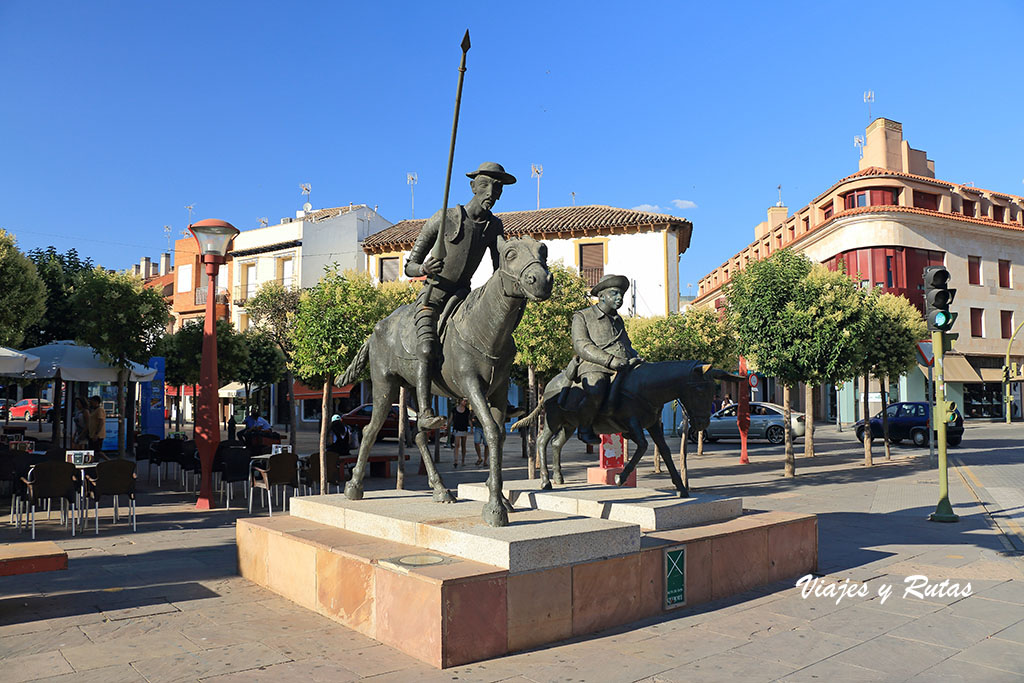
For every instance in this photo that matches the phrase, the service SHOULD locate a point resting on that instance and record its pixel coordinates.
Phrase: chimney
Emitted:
(144, 265)
(165, 263)
(776, 215)
(135, 269)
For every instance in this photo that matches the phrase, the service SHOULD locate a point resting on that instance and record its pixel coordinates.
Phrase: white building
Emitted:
(596, 240)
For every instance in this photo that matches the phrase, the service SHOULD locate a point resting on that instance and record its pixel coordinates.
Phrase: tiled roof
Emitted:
(537, 223)
(323, 214)
(877, 171)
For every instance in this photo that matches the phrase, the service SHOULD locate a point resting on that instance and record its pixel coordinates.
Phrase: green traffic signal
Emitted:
(938, 298)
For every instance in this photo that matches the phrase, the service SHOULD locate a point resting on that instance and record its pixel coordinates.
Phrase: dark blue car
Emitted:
(910, 421)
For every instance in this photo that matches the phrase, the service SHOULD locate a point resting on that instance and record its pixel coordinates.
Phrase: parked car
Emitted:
(28, 408)
(3, 408)
(767, 421)
(909, 420)
(360, 417)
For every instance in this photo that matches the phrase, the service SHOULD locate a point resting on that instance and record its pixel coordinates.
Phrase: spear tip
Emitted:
(465, 41)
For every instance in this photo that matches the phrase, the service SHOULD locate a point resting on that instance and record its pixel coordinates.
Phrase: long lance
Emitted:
(439, 250)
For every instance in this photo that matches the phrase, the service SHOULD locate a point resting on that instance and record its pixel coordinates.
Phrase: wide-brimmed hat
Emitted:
(493, 170)
(620, 281)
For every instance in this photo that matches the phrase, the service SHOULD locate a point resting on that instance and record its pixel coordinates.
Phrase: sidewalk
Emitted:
(165, 603)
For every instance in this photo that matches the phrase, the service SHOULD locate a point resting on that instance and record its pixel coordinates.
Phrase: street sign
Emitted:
(675, 576)
(925, 354)
(753, 381)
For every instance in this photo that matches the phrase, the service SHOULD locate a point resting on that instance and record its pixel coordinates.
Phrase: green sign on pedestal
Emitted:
(675, 576)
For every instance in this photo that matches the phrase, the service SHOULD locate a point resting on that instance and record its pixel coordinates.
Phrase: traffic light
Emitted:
(949, 412)
(937, 299)
(1006, 374)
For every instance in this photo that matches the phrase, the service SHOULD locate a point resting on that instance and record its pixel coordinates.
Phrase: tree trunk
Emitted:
(403, 418)
(885, 416)
(120, 413)
(293, 409)
(324, 428)
(809, 420)
(682, 450)
(55, 435)
(195, 408)
(531, 382)
(787, 416)
(868, 437)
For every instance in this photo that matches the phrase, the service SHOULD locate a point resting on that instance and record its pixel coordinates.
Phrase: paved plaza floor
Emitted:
(165, 603)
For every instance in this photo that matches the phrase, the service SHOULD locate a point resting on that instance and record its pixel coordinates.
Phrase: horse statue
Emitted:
(636, 397)
(477, 351)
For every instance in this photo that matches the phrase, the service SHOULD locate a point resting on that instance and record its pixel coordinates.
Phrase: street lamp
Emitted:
(214, 239)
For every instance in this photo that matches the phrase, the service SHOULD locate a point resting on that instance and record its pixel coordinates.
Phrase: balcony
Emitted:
(243, 293)
(592, 275)
(200, 299)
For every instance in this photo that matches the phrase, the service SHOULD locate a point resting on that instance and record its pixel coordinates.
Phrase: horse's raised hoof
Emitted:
(443, 495)
(353, 491)
(558, 477)
(495, 514)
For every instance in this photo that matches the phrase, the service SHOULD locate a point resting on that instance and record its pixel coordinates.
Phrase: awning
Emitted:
(80, 364)
(15, 362)
(171, 390)
(991, 374)
(233, 390)
(957, 369)
(302, 392)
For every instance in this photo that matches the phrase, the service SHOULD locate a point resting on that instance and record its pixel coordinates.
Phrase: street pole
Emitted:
(944, 510)
(1007, 393)
(207, 426)
(931, 400)
(743, 411)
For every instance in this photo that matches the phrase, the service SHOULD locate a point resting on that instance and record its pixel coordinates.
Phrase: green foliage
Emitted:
(118, 317)
(698, 334)
(889, 338)
(827, 316)
(177, 367)
(62, 274)
(265, 362)
(232, 353)
(398, 293)
(543, 337)
(762, 306)
(334, 319)
(24, 293)
(272, 311)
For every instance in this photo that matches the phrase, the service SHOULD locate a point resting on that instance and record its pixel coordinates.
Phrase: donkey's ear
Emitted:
(542, 251)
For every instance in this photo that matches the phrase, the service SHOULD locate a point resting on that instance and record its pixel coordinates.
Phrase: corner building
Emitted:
(886, 222)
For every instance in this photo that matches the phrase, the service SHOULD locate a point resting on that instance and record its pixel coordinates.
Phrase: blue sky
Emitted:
(115, 115)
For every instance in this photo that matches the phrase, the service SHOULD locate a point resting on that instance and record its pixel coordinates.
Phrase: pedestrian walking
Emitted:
(97, 422)
(460, 426)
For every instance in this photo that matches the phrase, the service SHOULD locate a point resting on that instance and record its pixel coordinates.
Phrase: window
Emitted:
(792, 233)
(855, 199)
(968, 207)
(285, 271)
(1004, 274)
(807, 224)
(387, 268)
(243, 322)
(977, 322)
(185, 278)
(926, 200)
(888, 271)
(998, 213)
(1006, 323)
(974, 270)
(247, 283)
(591, 263)
(778, 240)
(826, 212)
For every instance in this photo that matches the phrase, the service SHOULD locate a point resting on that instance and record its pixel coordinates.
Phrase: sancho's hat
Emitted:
(620, 281)
(493, 170)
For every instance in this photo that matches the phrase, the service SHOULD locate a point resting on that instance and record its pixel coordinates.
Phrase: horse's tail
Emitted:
(529, 418)
(356, 367)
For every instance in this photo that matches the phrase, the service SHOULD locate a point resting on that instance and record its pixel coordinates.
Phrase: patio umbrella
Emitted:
(77, 363)
(14, 363)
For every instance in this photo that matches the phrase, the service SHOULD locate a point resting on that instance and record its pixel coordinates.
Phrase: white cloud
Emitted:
(650, 208)
(684, 204)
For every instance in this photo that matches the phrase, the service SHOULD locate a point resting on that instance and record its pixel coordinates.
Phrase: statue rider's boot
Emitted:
(586, 435)
(426, 420)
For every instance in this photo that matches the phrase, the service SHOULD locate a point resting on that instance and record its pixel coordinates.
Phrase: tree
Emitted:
(123, 324)
(177, 368)
(762, 309)
(273, 311)
(62, 274)
(334, 319)
(889, 340)
(397, 293)
(264, 364)
(828, 317)
(24, 292)
(543, 338)
(232, 353)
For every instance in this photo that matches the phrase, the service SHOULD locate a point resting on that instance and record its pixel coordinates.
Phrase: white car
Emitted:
(767, 421)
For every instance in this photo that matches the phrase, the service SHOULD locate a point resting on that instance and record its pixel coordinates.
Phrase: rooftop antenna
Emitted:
(167, 234)
(412, 179)
(185, 232)
(869, 97)
(264, 222)
(306, 189)
(780, 196)
(858, 142)
(536, 171)
(573, 198)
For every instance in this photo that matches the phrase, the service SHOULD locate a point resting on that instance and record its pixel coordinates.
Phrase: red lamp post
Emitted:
(214, 239)
(743, 411)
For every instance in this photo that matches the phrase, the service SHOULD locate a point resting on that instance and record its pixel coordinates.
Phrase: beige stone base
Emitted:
(459, 611)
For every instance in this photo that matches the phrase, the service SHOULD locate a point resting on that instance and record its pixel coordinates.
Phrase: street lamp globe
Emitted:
(213, 236)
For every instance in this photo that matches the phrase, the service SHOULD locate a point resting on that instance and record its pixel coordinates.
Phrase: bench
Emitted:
(31, 557)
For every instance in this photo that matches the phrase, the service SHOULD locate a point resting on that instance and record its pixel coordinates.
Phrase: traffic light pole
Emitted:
(944, 510)
(1007, 390)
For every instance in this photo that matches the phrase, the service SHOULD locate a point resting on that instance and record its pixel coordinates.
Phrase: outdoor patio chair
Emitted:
(311, 474)
(278, 470)
(111, 478)
(235, 465)
(188, 462)
(14, 466)
(47, 480)
(218, 458)
(164, 451)
(144, 446)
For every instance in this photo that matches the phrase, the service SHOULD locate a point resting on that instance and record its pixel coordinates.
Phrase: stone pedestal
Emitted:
(606, 476)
